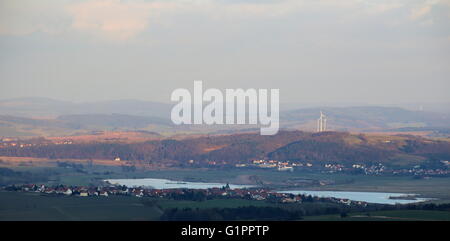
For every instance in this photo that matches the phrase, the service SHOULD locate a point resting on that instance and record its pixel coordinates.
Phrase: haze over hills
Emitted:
(47, 117)
(50, 108)
(76, 124)
(366, 118)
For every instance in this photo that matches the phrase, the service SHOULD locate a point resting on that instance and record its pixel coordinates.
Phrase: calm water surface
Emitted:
(370, 197)
(169, 184)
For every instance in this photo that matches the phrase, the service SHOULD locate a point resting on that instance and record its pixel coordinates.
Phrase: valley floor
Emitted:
(436, 187)
(19, 206)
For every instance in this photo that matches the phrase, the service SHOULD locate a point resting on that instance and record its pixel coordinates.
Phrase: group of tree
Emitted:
(286, 145)
(230, 214)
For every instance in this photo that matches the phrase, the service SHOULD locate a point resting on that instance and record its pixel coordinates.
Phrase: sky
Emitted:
(330, 51)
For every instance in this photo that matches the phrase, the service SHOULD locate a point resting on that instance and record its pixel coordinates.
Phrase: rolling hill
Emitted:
(50, 108)
(365, 118)
(47, 117)
(325, 147)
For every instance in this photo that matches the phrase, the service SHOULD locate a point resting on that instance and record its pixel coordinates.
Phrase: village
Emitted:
(225, 192)
(374, 169)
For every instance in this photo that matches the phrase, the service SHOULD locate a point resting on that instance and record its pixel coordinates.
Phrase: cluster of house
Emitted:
(422, 172)
(330, 168)
(16, 142)
(63, 142)
(379, 169)
(376, 169)
(21, 143)
(279, 165)
(334, 167)
(373, 169)
(63, 190)
(224, 192)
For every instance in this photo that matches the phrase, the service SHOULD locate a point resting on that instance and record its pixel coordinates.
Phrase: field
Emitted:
(34, 206)
(215, 203)
(46, 162)
(17, 206)
(402, 215)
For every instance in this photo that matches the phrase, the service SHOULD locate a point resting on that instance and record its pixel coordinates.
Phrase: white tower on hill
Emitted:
(322, 123)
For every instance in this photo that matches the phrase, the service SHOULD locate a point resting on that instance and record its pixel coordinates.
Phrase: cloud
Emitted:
(417, 13)
(114, 19)
(384, 7)
(424, 8)
(123, 20)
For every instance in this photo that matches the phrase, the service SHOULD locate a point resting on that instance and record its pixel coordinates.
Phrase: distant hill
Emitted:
(99, 121)
(48, 117)
(76, 124)
(364, 118)
(48, 108)
(318, 148)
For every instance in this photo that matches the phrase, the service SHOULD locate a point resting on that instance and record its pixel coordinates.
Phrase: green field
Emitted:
(215, 203)
(17, 206)
(396, 215)
(35, 206)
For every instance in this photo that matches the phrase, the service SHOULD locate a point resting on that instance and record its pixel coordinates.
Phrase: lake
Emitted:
(158, 183)
(369, 197)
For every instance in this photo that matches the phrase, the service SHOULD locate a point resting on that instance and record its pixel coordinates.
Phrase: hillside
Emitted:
(328, 147)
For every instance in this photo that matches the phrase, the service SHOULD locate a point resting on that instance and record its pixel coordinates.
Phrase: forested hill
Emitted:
(328, 147)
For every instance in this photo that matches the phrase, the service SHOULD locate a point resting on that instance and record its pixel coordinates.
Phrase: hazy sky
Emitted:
(363, 51)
